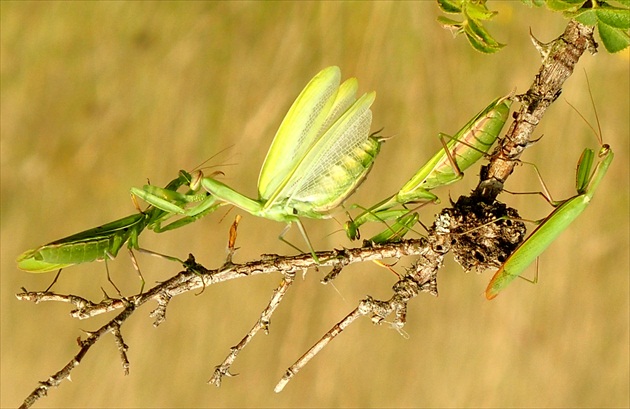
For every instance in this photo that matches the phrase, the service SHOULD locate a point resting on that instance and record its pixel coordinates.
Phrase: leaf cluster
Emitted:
(612, 21)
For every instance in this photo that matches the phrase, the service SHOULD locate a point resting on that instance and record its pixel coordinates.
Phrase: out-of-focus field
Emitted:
(98, 97)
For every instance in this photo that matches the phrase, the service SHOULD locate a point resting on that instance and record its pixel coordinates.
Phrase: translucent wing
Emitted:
(298, 131)
(346, 96)
(337, 163)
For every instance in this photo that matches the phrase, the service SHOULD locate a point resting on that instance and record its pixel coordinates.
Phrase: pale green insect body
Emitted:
(314, 113)
(337, 180)
(554, 224)
(313, 199)
(465, 148)
(336, 163)
(321, 153)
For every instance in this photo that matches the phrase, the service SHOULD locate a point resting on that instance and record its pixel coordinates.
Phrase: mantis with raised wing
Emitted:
(320, 154)
(464, 149)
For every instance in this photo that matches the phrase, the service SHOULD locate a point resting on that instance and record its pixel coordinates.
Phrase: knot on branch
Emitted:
(483, 235)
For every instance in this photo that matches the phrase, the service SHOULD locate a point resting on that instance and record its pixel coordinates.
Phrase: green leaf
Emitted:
(612, 23)
(478, 43)
(614, 39)
(449, 23)
(478, 11)
(474, 11)
(480, 32)
(564, 5)
(450, 6)
(624, 2)
(614, 17)
(587, 17)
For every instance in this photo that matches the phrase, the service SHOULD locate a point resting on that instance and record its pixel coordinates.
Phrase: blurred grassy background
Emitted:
(98, 97)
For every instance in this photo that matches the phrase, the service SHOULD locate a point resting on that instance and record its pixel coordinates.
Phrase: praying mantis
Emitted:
(104, 242)
(464, 149)
(560, 219)
(320, 154)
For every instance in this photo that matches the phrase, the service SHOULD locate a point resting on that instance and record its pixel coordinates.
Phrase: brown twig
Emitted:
(197, 276)
(559, 58)
(420, 279)
(85, 345)
(223, 369)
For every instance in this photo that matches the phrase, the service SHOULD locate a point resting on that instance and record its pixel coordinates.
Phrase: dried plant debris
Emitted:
(482, 235)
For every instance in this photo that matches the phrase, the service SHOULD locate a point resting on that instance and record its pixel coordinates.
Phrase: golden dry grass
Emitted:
(97, 97)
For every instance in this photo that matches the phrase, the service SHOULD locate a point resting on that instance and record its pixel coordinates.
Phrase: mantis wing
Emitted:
(298, 131)
(337, 163)
(87, 246)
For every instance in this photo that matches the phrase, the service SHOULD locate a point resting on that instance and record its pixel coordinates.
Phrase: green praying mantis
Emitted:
(320, 154)
(104, 242)
(464, 149)
(561, 217)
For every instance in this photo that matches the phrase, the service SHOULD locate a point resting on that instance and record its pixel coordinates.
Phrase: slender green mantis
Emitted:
(320, 154)
(552, 226)
(104, 242)
(468, 145)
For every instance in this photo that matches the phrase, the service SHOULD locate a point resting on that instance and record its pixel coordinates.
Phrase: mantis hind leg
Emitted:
(134, 261)
(449, 155)
(109, 278)
(136, 267)
(545, 194)
(306, 239)
(54, 280)
(160, 255)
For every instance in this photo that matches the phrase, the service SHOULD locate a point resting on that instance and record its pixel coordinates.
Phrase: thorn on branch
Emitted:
(159, 313)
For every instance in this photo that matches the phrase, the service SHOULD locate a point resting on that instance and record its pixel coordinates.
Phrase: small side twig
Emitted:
(421, 277)
(404, 290)
(56, 379)
(194, 277)
(223, 369)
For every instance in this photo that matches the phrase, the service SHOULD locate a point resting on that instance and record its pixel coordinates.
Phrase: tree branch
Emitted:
(559, 58)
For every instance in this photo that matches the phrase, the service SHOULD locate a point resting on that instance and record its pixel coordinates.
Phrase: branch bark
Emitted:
(559, 59)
